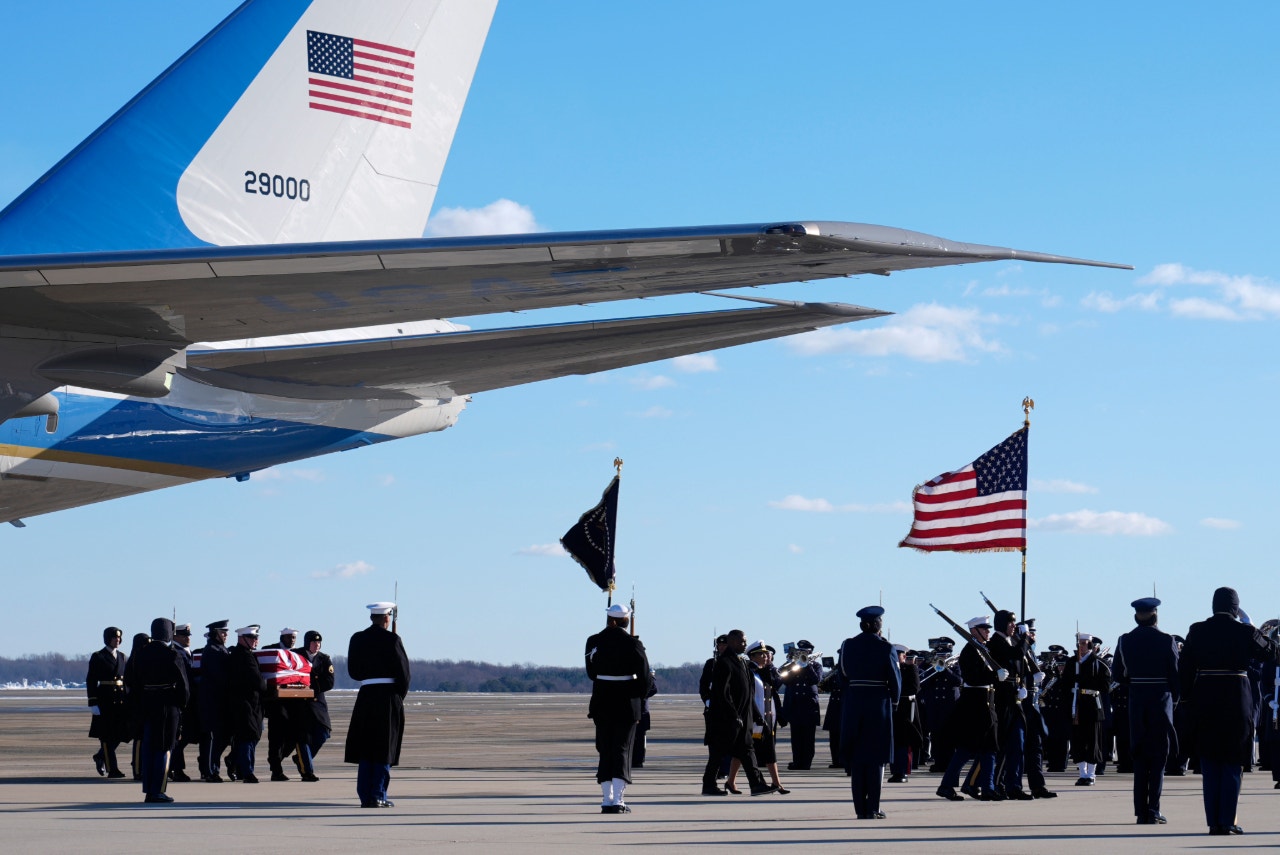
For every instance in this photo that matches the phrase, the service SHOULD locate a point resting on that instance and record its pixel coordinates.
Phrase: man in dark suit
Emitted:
(620, 681)
(312, 726)
(1146, 662)
(731, 716)
(376, 659)
(1214, 668)
(245, 687)
(872, 687)
(160, 681)
(104, 683)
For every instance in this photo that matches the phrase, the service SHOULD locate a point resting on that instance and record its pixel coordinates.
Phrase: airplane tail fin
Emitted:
(292, 121)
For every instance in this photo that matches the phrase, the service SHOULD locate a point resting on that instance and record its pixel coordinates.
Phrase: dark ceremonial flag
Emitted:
(980, 508)
(590, 540)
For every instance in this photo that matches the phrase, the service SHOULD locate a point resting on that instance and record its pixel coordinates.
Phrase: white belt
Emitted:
(377, 681)
(616, 678)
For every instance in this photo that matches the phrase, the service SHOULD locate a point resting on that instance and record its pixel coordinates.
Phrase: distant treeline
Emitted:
(428, 675)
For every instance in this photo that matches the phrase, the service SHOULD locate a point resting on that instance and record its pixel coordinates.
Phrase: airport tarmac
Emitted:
(517, 772)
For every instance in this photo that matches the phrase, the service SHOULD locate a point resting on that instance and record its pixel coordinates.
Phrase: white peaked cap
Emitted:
(380, 608)
(980, 620)
(288, 631)
(899, 648)
(251, 629)
(618, 610)
(758, 644)
(1084, 636)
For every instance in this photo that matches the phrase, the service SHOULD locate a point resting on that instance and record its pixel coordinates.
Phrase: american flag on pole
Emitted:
(980, 508)
(360, 78)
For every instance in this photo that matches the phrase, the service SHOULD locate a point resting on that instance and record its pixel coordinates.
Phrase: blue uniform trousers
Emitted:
(154, 761)
(864, 781)
(371, 781)
(1221, 782)
(986, 769)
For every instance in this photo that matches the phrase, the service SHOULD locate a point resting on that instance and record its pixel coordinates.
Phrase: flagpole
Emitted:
(1027, 406)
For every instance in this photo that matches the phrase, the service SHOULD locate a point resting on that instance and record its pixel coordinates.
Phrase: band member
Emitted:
(1087, 679)
(801, 711)
(160, 681)
(107, 702)
(907, 740)
(376, 658)
(972, 726)
(1213, 669)
(211, 698)
(872, 686)
(620, 681)
(312, 724)
(1007, 648)
(1146, 661)
(245, 688)
(731, 717)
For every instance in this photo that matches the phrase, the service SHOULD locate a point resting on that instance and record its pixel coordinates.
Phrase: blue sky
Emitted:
(766, 487)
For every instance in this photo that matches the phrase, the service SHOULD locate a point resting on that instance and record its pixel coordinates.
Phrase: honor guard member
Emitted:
(245, 688)
(1087, 679)
(907, 740)
(619, 672)
(134, 703)
(1213, 669)
(972, 726)
(107, 702)
(1146, 662)
(211, 699)
(314, 727)
(801, 710)
(872, 687)
(377, 661)
(1037, 732)
(731, 717)
(189, 723)
(280, 730)
(1007, 648)
(160, 681)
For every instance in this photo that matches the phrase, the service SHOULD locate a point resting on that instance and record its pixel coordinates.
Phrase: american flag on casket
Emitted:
(280, 667)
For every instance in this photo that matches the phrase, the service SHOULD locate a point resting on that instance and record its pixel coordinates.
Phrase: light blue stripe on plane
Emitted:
(118, 189)
(147, 431)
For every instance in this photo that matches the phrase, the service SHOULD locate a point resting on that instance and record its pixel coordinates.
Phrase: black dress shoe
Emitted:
(310, 777)
(866, 816)
(1018, 795)
(714, 792)
(386, 803)
(969, 791)
(763, 791)
(100, 763)
(622, 809)
(608, 808)
(212, 779)
(1042, 793)
(115, 773)
(279, 775)
(158, 799)
(950, 794)
(990, 796)
(249, 779)
(370, 804)
(1158, 818)
(730, 788)
(897, 779)
(1084, 782)
(878, 815)
(1218, 829)
(179, 777)
(783, 792)
(1146, 820)
(1234, 829)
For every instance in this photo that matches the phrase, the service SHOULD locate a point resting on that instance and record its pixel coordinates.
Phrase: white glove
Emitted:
(1039, 677)
(1002, 675)
(1275, 706)
(95, 710)
(1022, 694)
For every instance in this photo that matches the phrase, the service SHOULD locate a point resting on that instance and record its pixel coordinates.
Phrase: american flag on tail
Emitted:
(980, 508)
(360, 78)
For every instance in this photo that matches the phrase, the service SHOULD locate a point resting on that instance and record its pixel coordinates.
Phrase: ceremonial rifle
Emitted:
(990, 605)
(395, 610)
(633, 610)
(968, 636)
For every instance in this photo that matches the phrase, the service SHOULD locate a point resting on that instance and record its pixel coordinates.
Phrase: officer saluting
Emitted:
(1146, 660)
(1214, 664)
(376, 658)
(620, 681)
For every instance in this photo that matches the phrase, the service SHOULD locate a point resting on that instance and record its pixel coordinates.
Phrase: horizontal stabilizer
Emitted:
(461, 363)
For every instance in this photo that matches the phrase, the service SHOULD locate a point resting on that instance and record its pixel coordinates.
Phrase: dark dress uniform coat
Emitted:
(105, 686)
(245, 687)
(872, 687)
(1146, 664)
(377, 721)
(163, 689)
(616, 704)
(1222, 707)
(906, 714)
(211, 697)
(731, 713)
(972, 726)
(322, 679)
(1092, 676)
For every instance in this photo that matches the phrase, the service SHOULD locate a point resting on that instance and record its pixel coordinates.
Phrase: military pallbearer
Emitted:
(620, 681)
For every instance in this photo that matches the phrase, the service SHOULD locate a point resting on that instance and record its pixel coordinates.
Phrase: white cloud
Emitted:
(1220, 523)
(502, 217)
(549, 550)
(655, 412)
(1102, 301)
(652, 382)
(696, 363)
(386, 480)
(1105, 522)
(345, 571)
(1061, 485)
(1235, 297)
(925, 332)
(794, 549)
(822, 506)
(1199, 308)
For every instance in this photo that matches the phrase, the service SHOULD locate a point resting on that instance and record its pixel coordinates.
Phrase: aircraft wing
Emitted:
(220, 293)
(461, 363)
